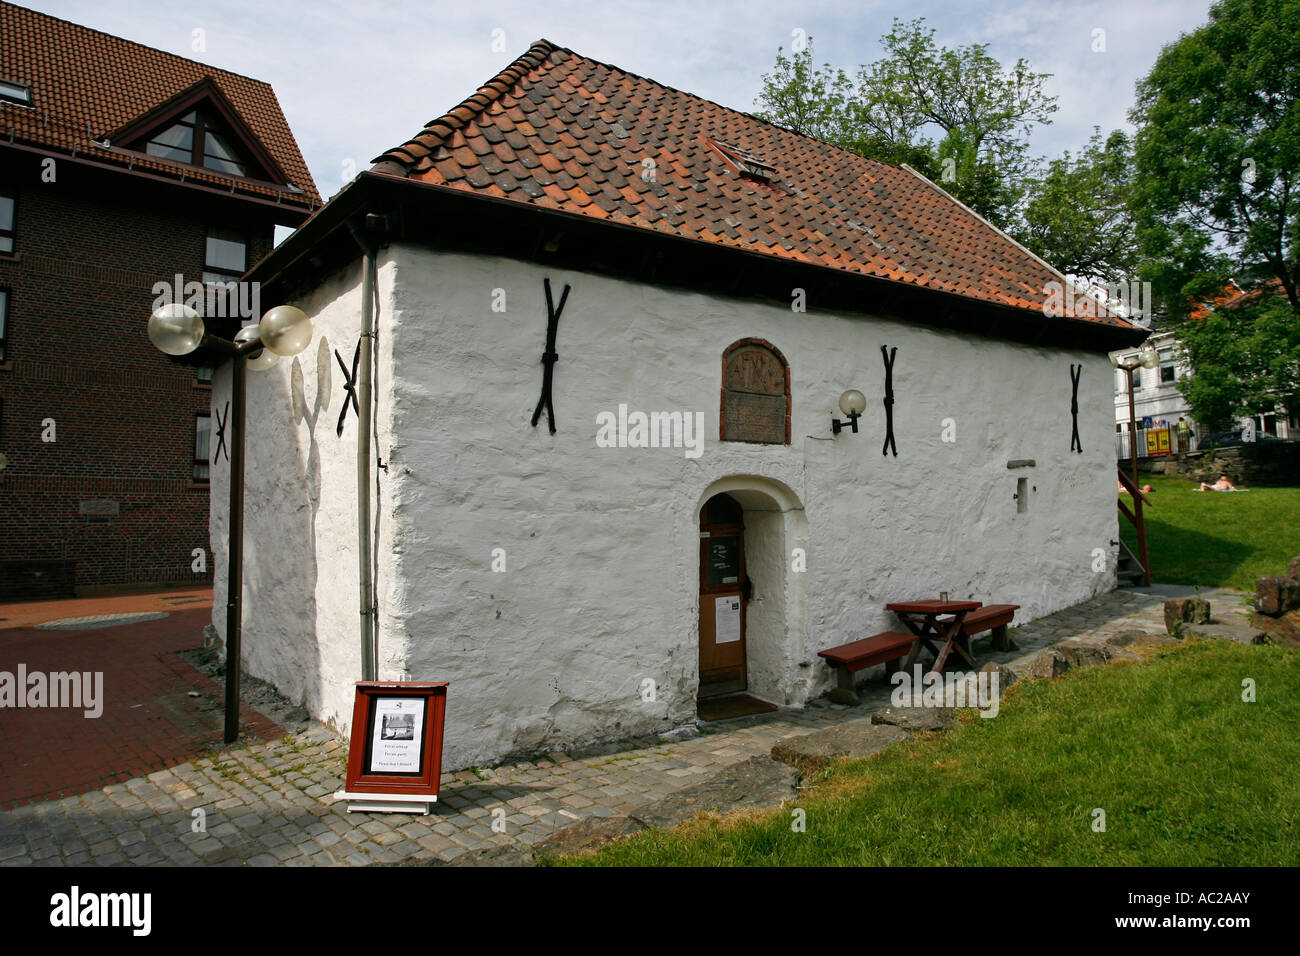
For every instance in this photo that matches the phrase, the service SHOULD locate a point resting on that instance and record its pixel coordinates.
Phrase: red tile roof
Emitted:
(558, 130)
(1231, 296)
(85, 85)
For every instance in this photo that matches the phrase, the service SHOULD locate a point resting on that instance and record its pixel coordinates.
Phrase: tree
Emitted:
(983, 112)
(821, 102)
(1078, 216)
(1218, 154)
(1245, 358)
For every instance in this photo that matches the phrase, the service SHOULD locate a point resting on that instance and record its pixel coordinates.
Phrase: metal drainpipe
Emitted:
(369, 650)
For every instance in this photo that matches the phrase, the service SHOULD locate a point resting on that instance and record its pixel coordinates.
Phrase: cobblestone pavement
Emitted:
(267, 804)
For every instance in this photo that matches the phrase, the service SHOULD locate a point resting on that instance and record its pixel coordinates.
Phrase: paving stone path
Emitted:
(267, 804)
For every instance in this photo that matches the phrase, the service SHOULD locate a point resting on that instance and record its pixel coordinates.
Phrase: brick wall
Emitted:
(88, 249)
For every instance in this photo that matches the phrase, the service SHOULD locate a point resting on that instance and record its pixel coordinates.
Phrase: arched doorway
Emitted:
(766, 519)
(724, 590)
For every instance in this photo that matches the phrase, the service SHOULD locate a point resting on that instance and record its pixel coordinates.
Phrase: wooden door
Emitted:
(723, 590)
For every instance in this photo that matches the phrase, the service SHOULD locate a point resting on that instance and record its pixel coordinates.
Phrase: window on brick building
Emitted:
(204, 374)
(755, 394)
(225, 257)
(200, 139)
(19, 93)
(202, 443)
(7, 208)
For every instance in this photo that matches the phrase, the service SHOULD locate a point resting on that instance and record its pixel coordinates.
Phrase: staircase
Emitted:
(1129, 569)
(1134, 568)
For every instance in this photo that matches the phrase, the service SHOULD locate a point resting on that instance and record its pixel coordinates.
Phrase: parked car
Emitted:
(1227, 439)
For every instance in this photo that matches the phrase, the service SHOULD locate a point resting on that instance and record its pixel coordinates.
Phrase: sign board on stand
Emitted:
(395, 756)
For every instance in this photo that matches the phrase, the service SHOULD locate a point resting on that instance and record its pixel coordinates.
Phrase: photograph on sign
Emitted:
(398, 731)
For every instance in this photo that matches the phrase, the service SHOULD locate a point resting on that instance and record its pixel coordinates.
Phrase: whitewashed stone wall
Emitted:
(301, 592)
(600, 591)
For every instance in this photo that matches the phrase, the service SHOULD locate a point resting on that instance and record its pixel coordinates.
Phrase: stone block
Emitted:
(589, 834)
(752, 784)
(1186, 611)
(915, 719)
(1006, 676)
(1136, 638)
(1284, 629)
(1267, 597)
(1293, 569)
(1241, 633)
(1047, 663)
(856, 739)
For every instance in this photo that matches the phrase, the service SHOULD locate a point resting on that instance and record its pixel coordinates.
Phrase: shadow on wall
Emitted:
(298, 671)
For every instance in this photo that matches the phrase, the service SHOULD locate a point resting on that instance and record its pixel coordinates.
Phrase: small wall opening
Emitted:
(1022, 495)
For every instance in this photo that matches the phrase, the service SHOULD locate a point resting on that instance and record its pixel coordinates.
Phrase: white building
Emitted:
(1157, 402)
(708, 269)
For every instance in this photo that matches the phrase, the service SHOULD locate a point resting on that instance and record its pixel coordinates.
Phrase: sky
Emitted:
(355, 78)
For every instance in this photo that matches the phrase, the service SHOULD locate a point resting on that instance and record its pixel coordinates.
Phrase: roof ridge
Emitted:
(438, 130)
(400, 160)
(143, 46)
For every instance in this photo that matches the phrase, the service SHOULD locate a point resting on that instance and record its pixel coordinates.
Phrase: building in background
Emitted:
(121, 166)
(1158, 405)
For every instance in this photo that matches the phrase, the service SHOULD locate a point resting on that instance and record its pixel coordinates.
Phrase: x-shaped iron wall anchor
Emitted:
(888, 355)
(1076, 372)
(349, 385)
(221, 435)
(549, 357)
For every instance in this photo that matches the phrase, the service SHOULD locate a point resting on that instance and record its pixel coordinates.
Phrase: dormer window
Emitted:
(19, 93)
(197, 138)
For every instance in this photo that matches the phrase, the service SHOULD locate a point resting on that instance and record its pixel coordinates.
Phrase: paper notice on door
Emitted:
(726, 619)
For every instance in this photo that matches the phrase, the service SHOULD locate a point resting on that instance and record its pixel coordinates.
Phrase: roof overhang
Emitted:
(291, 210)
(452, 218)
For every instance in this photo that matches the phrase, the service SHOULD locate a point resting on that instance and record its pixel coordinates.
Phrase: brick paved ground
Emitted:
(267, 804)
(28, 613)
(149, 720)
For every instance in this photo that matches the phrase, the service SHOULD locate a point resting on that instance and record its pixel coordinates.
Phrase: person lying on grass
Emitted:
(1146, 489)
(1223, 484)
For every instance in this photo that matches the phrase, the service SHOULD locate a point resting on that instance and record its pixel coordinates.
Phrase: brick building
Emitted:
(121, 167)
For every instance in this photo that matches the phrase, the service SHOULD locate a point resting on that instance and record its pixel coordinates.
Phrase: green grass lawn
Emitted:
(1187, 773)
(1217, 539)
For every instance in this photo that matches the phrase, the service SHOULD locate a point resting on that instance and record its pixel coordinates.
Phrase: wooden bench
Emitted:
(848, 659)
(991, 617)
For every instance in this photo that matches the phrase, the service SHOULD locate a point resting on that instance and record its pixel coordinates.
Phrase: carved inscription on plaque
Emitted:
(755, 394)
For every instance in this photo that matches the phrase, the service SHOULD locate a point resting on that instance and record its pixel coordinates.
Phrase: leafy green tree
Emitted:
(983, 112)
(1245, 359)
(1078, 216)
(1218, 154)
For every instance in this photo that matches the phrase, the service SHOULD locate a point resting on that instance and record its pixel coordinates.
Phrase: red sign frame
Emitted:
(427, 780)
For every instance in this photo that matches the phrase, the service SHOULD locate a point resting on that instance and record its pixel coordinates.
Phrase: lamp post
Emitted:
(1147, 357)
(177, 329)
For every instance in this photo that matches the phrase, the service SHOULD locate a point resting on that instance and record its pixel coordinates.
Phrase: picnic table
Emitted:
(922, 619)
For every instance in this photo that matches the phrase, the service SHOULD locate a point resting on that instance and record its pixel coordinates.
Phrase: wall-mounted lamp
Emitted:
(852, 403)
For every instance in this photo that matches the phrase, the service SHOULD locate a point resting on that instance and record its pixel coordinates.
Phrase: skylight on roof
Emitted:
(19, 93)
(746, 163)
